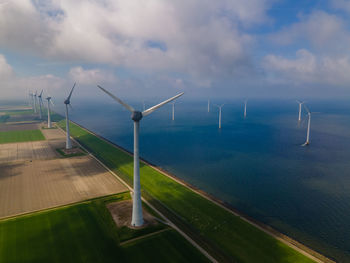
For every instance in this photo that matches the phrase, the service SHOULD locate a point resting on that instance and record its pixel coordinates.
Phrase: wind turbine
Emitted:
(208, 105)
(308, 126)
(49, 102)
(67, 102)
(40, 104)
(220, 106)
(35, 95)
(245, 108)
(300, 103)
(136, 116)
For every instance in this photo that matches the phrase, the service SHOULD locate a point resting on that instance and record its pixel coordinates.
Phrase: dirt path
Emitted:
(142, 237)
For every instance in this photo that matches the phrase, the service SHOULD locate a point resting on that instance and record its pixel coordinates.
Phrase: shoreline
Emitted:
(296, 245)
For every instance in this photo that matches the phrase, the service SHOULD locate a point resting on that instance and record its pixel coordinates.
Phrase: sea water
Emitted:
(256, 164)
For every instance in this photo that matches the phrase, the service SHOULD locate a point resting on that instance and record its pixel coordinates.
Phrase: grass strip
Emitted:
(226, 232)
(21, 136)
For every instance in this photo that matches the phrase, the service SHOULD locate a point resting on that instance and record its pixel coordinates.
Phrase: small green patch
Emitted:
(21, 136)
(52, 128)
(80, 152)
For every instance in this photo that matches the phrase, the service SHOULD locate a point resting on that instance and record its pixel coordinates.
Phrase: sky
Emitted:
(158, 48)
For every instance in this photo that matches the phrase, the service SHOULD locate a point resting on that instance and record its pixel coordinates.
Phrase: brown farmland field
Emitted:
(34, 177)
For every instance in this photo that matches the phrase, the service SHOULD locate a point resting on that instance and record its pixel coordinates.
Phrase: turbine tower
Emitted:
(308, 126)
(208, 105)
(31, 95)
(245, 108)
(173, 108)
(136, 116)
(40, 104)
(34, 96)
(49, 102)
(220, 106)
(300, 103)
(67, 102)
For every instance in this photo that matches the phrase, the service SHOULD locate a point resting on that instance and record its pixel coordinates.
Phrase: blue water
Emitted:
(255, 164)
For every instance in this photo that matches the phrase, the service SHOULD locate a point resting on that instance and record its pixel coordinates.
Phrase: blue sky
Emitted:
(237, 48)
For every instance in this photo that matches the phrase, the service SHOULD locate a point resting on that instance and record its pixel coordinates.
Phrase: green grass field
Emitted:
(21, 136)
(85, 232)
(228, 234)
(19, 112)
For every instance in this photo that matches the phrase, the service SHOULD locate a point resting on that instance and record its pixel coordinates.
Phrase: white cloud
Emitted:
(307, 68)
(91, 76)
(343, 5)
(197, 37)
(323, 31)
(6, 71)
(15, 86)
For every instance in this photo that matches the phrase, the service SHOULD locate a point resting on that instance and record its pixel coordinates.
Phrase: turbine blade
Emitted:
(298, 102)
(306, 108)
(41, 93)
(70, 94)
(152, 109)
(128, 107)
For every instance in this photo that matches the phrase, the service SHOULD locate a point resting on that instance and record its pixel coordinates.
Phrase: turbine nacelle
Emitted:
(136, 115)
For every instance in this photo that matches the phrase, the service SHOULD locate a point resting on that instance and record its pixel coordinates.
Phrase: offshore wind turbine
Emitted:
(220, 106)
(300, 104)
(136, 116)
(49, 102)
(208, 105)
(40, 104)
(245, 108)
(67, 102)
(307, 142)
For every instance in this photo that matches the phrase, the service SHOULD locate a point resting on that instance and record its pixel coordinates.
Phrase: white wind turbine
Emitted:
(245, 108)
(300, 104)
(49, 103)
(41, 104)
(208, 105)
(136, 116)
(67, 102)
(220, 106)
(307, 142)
